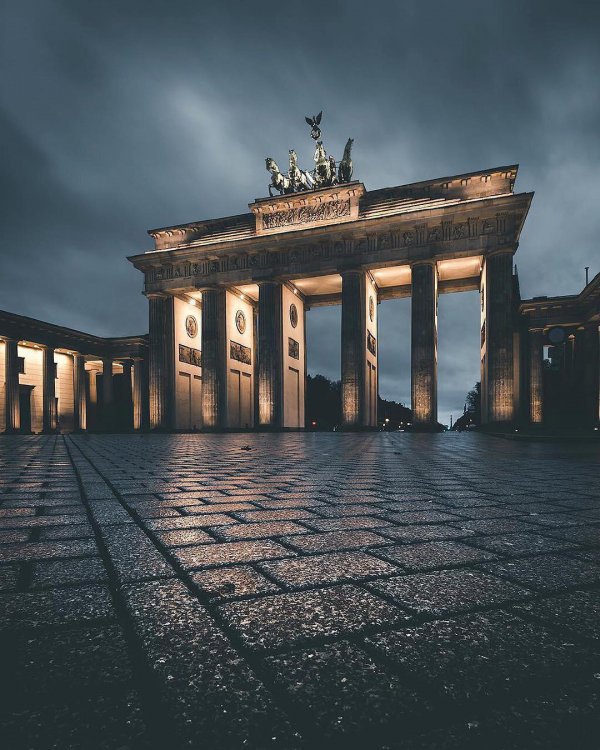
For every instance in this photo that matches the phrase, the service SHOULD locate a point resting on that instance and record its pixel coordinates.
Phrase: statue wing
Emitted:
(318, 117)
(309, 120)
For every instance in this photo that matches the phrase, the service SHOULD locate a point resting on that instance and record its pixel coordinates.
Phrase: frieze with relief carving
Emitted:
(420, 236)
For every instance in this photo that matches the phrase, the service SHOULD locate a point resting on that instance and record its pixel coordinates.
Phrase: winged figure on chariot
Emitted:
(326, 172)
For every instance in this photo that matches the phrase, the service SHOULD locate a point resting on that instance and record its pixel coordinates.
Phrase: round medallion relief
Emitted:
(293, 315)
(557, 335)
(371, 309)
(240, 321)
(191, 326)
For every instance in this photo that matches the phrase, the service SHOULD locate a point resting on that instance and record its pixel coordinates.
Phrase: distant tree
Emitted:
(324, 407)
(473, 403)
(323, 403)
(398, 415)
(472, 413)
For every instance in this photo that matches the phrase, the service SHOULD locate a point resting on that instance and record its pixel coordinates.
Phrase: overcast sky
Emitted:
(117, 117)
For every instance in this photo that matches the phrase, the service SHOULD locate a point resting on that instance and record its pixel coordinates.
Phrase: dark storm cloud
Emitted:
(117, 117)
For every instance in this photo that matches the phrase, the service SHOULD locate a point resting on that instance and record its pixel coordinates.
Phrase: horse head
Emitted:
(271, 165)
(348, 148)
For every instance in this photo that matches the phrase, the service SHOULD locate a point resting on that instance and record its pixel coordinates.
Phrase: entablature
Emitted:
(475, 227)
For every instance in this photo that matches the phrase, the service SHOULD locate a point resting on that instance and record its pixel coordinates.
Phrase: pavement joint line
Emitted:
(284, 704)
(155, 715)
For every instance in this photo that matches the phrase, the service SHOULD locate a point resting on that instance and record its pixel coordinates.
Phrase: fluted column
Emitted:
(11, 385)
(536, 372)
(270, 354)
(161, 361)
(128, 394)
(107, 413)
(49, 422)
(359, 351)
(80, 397)
(214, 351)
(498, 364)
(591, 374)
(137, 391)
(424, 291)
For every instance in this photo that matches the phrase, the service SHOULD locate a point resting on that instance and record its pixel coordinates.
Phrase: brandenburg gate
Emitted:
(228, 297)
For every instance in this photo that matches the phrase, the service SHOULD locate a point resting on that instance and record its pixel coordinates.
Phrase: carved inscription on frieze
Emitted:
(307, 214)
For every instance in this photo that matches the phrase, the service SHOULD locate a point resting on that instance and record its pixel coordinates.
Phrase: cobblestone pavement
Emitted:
(299, 591)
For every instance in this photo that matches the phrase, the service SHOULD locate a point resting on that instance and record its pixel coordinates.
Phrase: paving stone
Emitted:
(410, 534)
(340, 524)
(183, 537)
(66, 606)
(226, 583)
(62, 572)
(14, 537)
(215, 698)
(195, 510)
(285, 620)
(258, 530)
(546, 572)
(577, 612)
(46, 550)
(520, 544)
(65, 661)
(212, 555)
(424, 516)
(189, 522)
(58, 533)
(335, 540)
(323, 569)
(448, 591)
(134, 555)
(274, 515)
(484, 655)
(585, 535)
(345, 697)
(9, 575)
(432, 555)
(494, 526)
(34, 522)
(94, 722)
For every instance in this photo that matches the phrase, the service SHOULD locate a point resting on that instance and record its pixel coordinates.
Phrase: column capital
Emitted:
(423, 262)
(156, 295)
(506, 250)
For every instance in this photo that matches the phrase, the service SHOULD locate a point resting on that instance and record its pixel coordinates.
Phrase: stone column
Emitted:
(214, 350)
(591, 374)
(107, 395)
(536, 373)
(161, 361)
(137, 391)
(359, 362)
(270, 355)
(498, 363)
(11, 385)
(48, 390)
(80, 397)
(424, 290)
(128, 402)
